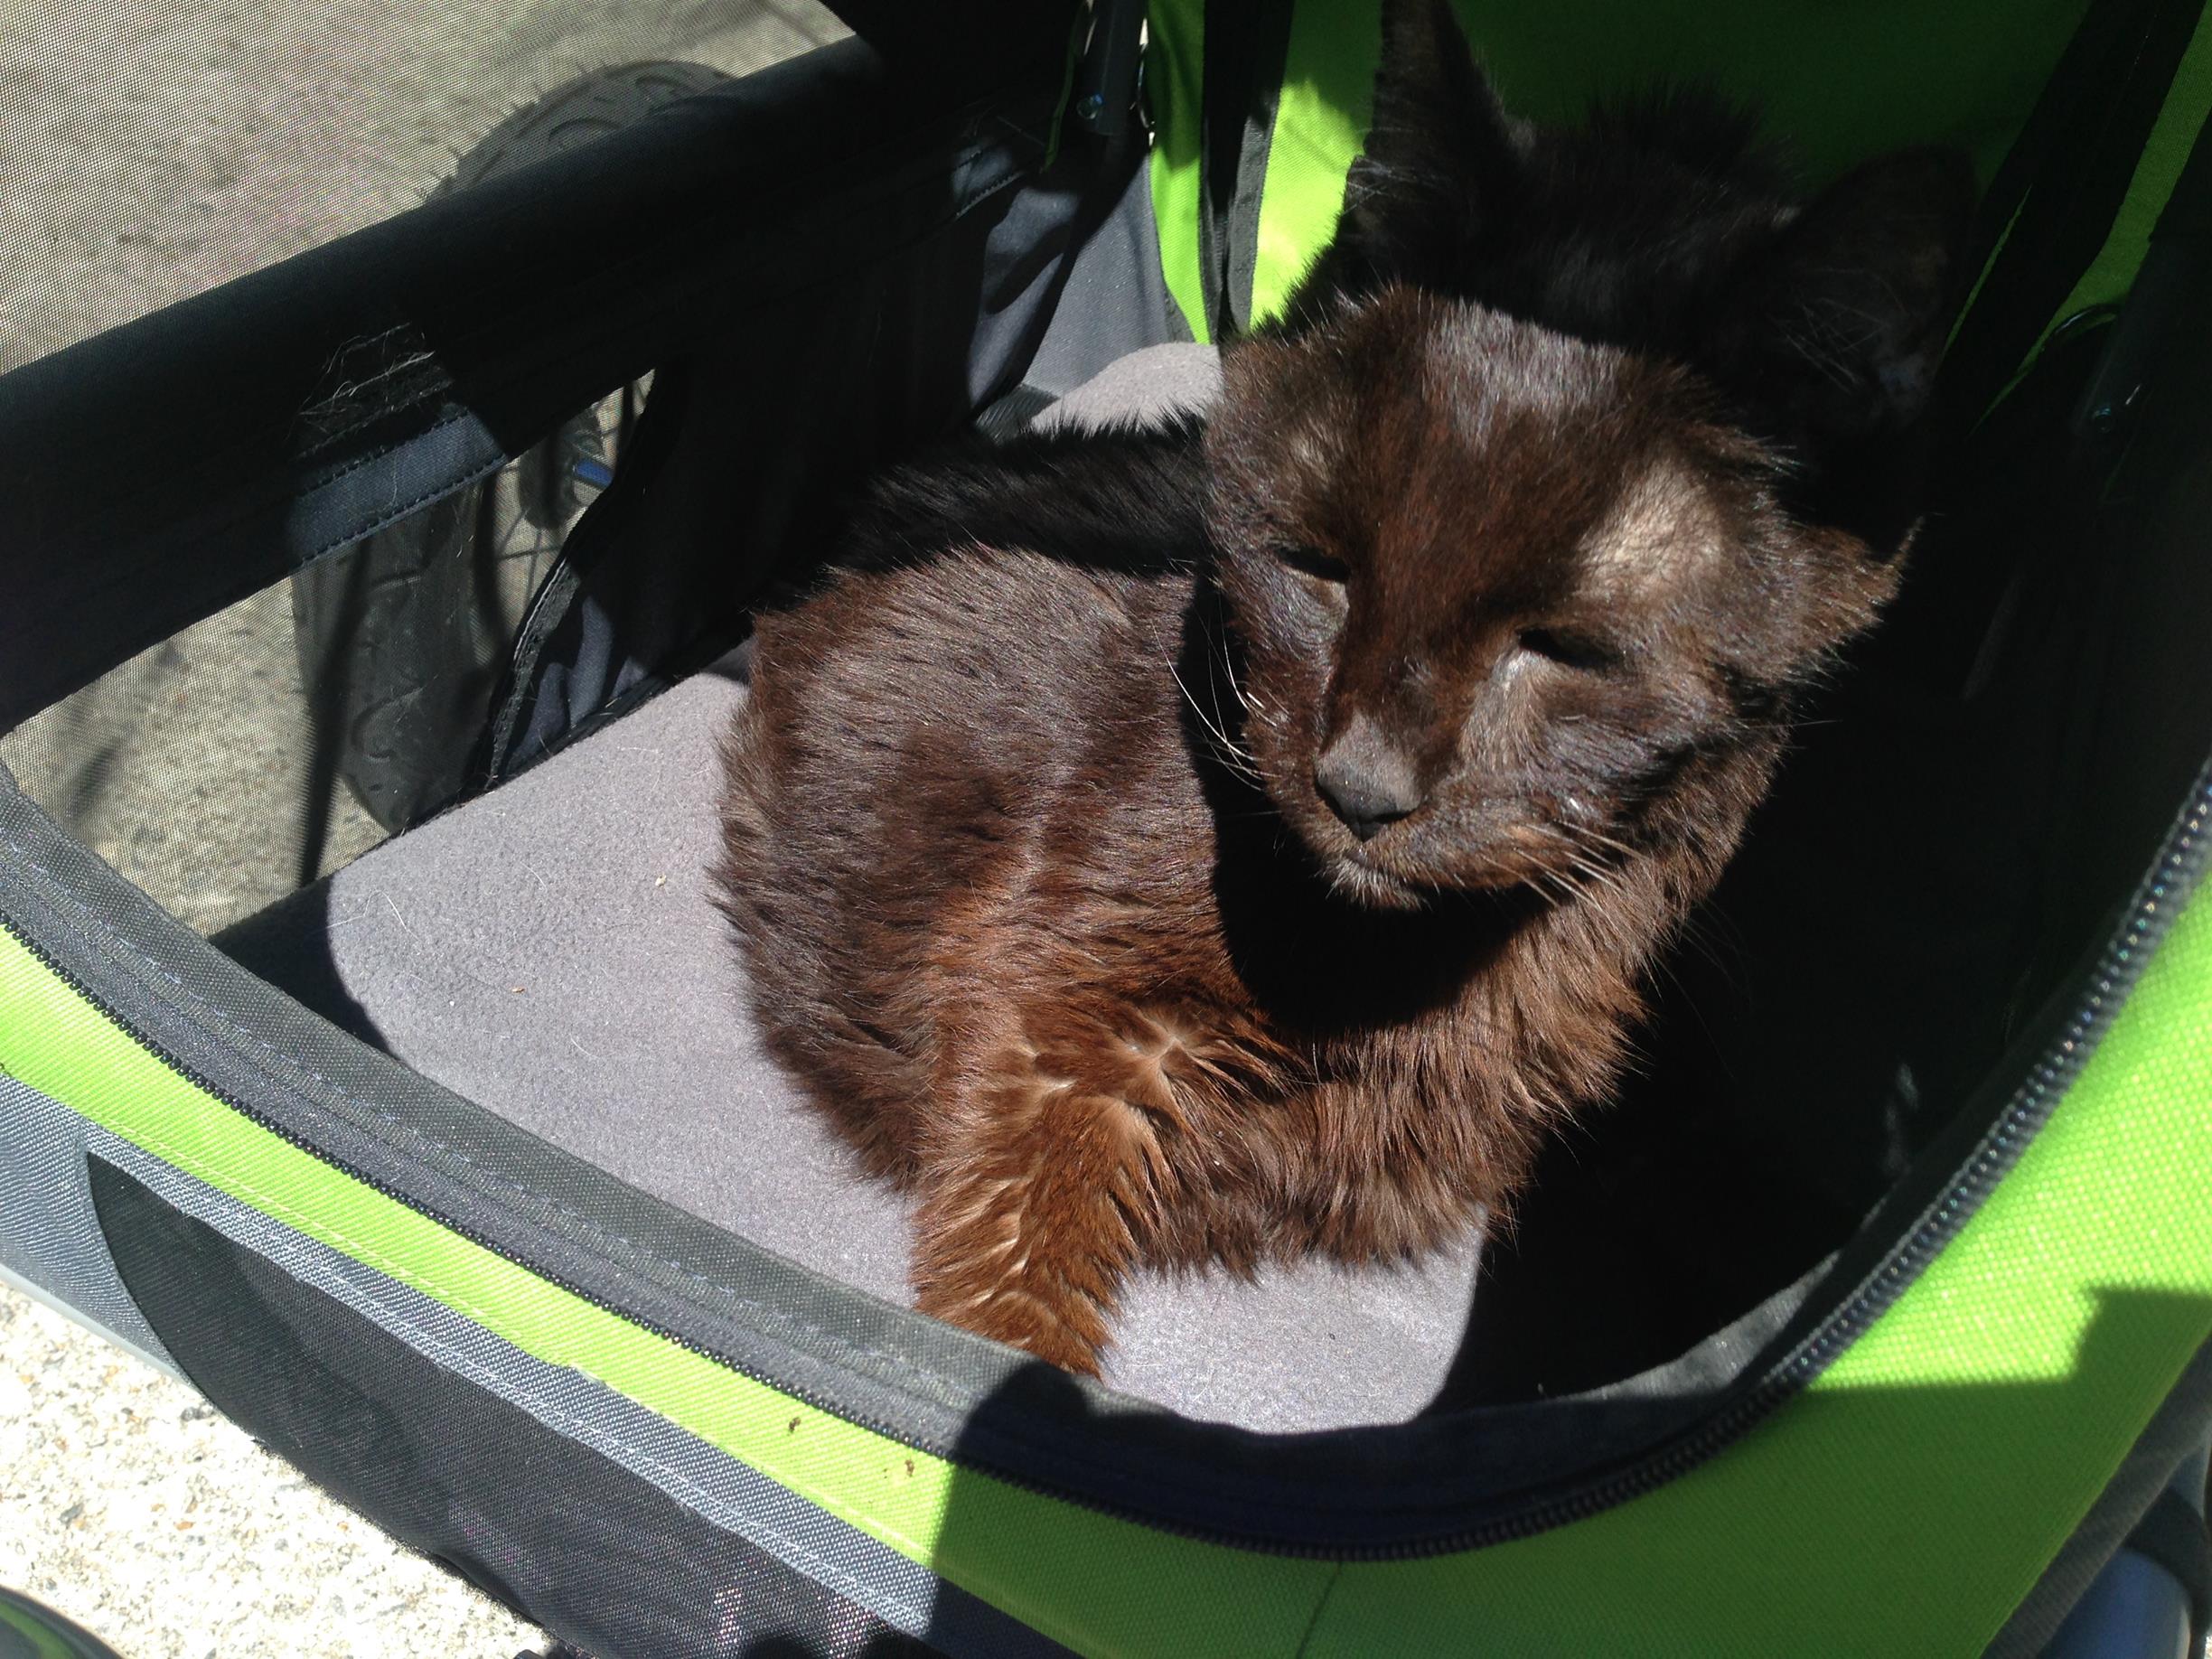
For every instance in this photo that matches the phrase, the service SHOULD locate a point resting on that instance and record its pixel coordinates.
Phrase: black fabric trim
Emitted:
(489, 315)
(942, 37)
(2174, 1536)
(2060, 188)
(2085, 67)
(883, 350)
(1349, 1492)
(724, 1491)
(1241, 83)
(1265, 51)
(2175, 1432)
(2169, 287)
(555, 1530)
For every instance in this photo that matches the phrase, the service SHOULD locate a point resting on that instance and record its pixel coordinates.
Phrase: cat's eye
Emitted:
(1313, 562)
(1570, 648)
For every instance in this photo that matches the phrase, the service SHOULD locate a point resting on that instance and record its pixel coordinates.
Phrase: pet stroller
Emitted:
(1874, 1319)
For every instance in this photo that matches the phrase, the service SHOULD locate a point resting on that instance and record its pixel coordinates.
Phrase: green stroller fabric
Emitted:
(1896, 1475)
(1842, 85)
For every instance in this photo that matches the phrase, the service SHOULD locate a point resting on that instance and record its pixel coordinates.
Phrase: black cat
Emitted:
(1251, 838)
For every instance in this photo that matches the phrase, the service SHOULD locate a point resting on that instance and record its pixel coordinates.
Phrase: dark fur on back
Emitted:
(1220, 845)
(1665, 225)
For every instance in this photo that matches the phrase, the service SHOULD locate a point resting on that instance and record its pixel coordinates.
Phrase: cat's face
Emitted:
(1506, 601)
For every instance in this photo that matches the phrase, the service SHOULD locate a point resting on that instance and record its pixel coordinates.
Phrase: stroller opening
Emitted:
(446, 1094)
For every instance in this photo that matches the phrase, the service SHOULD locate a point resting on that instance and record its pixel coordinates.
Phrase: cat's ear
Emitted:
(1440, 160)
(1838, 327)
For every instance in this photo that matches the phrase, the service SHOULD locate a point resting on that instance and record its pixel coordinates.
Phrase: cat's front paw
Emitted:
(1068, 1335)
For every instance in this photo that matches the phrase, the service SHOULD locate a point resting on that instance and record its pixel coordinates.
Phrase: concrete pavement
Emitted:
(148, 152)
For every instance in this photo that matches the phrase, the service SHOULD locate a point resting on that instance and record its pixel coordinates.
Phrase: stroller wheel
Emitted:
(401, 638)
(28, 1628)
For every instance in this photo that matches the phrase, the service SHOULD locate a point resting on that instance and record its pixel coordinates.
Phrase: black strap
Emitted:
(1241, 83)
(2173, 1535)
(1104, 93)
(2060, 112)
(2169, 290)
(2054, 201)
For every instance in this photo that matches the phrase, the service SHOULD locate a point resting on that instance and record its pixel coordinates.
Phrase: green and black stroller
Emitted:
(1871, 1319)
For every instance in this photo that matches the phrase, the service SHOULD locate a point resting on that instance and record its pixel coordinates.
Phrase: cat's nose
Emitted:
(1367, 780)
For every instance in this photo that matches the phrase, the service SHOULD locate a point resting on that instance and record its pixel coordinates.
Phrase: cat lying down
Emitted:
(1247, 839)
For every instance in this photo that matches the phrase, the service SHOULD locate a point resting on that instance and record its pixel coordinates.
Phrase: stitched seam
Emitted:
(835, 1340)
(810, 1561)
(1304, 1641)
(273, 1204)
(394, 514)
(231, 1027)
(369, 457)
(227, 459)
(457, 1358)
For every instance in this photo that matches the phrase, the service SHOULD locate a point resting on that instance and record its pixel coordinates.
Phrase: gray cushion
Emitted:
(1138, 389)
(549, 952)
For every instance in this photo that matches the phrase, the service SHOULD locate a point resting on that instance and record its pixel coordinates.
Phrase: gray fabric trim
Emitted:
(2147, 1601)
(934, 1386)
(1026, 293)
(1257, 141)
(2177, 1432)
(50, 1242)
(1116, 300)
(563, 1217)
(705, 1480)
(1139, 391)
(2134, 1609)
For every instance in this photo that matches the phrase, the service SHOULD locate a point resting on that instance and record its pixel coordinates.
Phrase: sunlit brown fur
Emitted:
(1031, 841)
(1041, 899)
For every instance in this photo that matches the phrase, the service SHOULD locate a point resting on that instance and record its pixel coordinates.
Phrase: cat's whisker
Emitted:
(1240, 762)
(1128, 1093)
(1591, 856)
(1578, 830)
(1229, 668)
(1577, 893)
(1584, 887)
(1228, 754)
(1232, 753)
(1580, 859)
(1585, 837)
(1609, 880)
(1552, 882)
(1697, 931)
(1236, 764)
(1582, 845)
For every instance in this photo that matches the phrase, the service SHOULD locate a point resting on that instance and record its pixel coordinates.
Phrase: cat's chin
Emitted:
(1374, 889)
(1354, 880)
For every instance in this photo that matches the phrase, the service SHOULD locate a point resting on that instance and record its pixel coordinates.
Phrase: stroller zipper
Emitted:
(2180, 860)
(323, 1154)
(2173, 877)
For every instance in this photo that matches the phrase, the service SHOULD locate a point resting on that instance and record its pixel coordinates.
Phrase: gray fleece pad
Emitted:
(549, 952)
(1137, 388)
